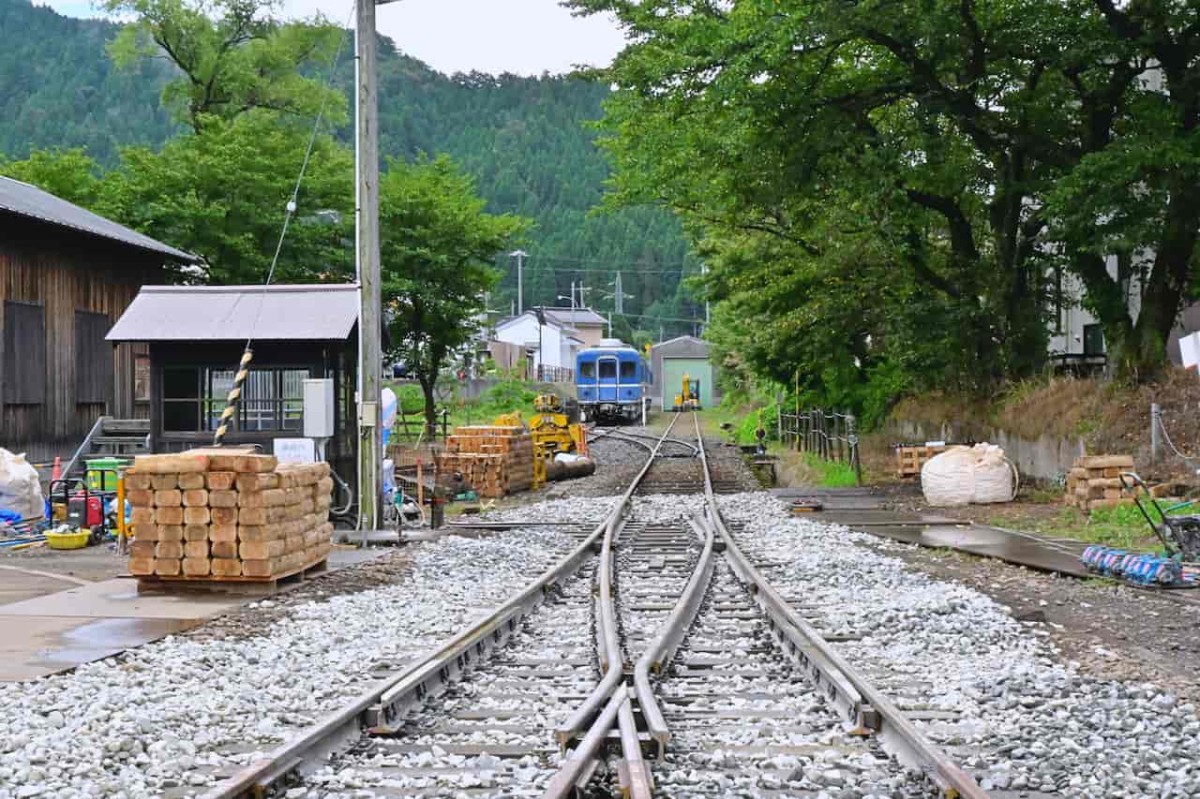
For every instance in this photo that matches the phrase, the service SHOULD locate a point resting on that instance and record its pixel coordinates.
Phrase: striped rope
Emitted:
(235, 394)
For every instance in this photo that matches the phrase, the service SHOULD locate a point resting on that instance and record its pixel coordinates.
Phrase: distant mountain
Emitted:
(525, 139)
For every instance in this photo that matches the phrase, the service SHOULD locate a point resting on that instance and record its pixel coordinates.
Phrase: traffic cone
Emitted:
(56, 472)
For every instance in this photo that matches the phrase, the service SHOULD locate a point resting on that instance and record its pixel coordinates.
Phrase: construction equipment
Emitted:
(553, 432)
(688, 398)
(1178, 567)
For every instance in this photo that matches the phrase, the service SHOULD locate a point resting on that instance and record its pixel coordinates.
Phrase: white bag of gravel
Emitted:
(20, 489)
(948, 479)
(964, 475)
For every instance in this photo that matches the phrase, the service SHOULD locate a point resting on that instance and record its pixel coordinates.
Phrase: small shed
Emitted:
(196, 335)
(685, 355)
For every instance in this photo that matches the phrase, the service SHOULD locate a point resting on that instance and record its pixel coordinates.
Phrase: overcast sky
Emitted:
(527, 37)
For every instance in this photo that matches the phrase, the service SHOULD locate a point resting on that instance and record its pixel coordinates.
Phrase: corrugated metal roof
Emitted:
(685, 342)
(31, 202)
(236, 313)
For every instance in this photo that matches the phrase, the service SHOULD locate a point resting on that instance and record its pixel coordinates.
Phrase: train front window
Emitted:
(608, 369)
(587, 369)
(628, 370)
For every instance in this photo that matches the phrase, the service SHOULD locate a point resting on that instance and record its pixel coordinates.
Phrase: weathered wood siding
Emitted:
(65, 272)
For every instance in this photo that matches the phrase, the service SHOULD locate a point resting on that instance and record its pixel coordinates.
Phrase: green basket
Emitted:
(102, 473)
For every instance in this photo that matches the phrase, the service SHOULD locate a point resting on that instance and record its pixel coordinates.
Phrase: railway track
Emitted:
(665, 665)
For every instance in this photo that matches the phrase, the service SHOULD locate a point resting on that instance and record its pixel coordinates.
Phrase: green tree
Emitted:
(69, 174)
(438, 244)
(222, 194)
(977, 149)
(233, 56)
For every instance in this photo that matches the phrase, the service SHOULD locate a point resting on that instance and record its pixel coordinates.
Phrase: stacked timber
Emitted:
(1095, 481)
(225, 514)
(910, 458)
(495, 460)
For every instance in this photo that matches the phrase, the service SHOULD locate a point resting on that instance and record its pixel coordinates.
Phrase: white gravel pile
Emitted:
(591, 510)
(532, 684)
(175, 712)
(1028, 720)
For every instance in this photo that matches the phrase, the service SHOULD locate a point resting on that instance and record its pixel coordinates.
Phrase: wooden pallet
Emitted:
(909, 460)
(250, 586)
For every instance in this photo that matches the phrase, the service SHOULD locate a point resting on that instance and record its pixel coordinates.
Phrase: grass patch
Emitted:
(1122, 526)
(808, 469)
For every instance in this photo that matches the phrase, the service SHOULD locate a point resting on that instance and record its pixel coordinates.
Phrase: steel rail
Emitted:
(853, 693)
(592, 715)
(663, 647)
(380, 707)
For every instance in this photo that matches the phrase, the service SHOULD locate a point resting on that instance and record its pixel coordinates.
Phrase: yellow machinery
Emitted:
(552, 432)
(688, 399)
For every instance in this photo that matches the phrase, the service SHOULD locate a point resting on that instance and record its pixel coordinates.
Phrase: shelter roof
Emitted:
(235, 313)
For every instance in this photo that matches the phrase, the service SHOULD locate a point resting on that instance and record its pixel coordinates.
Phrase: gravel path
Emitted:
(174, 715)
(1013, 712)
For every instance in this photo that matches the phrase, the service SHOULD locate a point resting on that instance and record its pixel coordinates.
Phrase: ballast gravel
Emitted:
(994, 692)
(175, 715)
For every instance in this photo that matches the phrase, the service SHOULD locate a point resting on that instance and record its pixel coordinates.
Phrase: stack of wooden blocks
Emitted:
(494, 460)
(1095, 481)
(225, 514)
(910, 459)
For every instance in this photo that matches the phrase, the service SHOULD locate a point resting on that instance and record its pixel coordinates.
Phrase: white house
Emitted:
(551, 347)
(1076, 337)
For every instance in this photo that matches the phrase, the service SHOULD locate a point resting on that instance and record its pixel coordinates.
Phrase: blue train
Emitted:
(613, 383)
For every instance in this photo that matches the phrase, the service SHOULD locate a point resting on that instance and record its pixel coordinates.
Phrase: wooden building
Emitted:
(196, 336)
(66, 274)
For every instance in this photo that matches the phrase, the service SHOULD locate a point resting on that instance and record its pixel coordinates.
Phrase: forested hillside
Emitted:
(525, 140)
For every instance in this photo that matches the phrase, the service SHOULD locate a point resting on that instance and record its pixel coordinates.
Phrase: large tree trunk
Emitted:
(427, 384)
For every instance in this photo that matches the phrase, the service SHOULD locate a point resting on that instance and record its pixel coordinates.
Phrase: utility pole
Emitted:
(370, 367)
(520, 256)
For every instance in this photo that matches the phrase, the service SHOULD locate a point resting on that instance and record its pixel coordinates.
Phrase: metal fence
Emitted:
(827, 434)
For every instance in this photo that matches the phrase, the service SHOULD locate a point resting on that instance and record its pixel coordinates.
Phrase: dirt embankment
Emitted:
(1109, 417)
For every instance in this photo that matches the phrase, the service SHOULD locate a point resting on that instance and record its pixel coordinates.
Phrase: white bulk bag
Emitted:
(995, 476)
(20, 490)
(965, 475)
(948, 479)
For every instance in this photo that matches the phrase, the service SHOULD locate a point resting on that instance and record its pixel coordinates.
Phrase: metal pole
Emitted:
(520, 256)
(852, 439)
(1155, 420)
(370, 312)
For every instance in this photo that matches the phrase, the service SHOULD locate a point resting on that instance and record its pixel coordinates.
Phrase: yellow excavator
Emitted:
(688, 399)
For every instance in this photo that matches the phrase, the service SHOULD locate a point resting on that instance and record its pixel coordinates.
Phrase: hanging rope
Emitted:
(239, 380)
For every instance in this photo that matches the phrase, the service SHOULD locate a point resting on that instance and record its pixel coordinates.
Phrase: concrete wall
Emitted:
(1045, 458)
